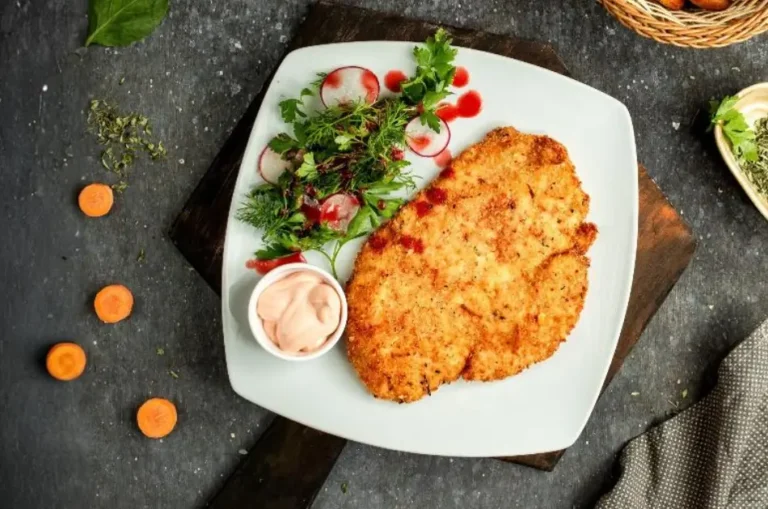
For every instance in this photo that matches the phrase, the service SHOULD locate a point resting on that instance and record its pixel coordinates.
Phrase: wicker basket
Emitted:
(692, 28)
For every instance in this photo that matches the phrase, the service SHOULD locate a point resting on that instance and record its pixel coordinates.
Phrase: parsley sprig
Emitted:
(735, 128)
(434, 74)
(354, 149)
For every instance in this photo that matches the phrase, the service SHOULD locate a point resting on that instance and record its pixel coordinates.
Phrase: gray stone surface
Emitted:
(75, 445)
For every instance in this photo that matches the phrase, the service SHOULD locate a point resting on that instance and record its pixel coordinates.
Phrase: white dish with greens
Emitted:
(741, 132)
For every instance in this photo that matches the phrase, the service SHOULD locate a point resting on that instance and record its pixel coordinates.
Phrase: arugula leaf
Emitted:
(361, 224)
(735, 128)
(122, 22)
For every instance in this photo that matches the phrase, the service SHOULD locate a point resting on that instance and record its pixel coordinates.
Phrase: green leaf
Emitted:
(289, 109)
(387, 207)
(319, 80)
(735, 128)
(361, 224)
(122, 22)
(344, 141)
(306, 92)
(308, 169)
(431, 119)
(272, 251)
(282, 143)
(300, 132)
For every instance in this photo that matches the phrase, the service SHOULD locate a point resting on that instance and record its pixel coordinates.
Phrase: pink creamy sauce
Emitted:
(299, 312)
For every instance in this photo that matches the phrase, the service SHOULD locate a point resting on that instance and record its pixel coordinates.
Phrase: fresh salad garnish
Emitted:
(332, 179)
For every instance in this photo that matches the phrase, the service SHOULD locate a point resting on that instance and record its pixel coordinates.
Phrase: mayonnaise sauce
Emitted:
(299, 312)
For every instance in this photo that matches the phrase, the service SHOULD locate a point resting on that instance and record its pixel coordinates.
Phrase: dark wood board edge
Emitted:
(199, 230)
(269, 478)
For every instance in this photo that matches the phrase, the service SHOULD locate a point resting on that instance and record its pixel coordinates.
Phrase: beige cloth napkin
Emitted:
(714, 454)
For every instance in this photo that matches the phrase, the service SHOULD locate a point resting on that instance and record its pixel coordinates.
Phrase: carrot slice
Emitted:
(65, 361)
(113, 303)
(96, 200)
(156, 417)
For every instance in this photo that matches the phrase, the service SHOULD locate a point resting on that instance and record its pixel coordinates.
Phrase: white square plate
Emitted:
(545, 407)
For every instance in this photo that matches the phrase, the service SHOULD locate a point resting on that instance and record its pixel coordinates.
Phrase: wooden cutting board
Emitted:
(290, 462)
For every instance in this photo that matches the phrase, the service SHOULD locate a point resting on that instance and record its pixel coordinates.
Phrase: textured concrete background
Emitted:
(75, 445)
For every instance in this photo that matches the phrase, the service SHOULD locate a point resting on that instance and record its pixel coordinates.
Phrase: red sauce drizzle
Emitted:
(393, 79)
(469, 104)
(419, 142)
(413, 243)
(444, 158)
(461, 78)
(436, 195)
(371, 84)
(448, 172)
(447, 112)
(331, 213)
(422, 208)
(378, 243)
(311, 213)
(333, 80)
(264, 266)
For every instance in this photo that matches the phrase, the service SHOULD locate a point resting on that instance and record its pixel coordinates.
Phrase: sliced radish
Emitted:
(424, 141)
(338, 210)
(349, 84)
(272, 165)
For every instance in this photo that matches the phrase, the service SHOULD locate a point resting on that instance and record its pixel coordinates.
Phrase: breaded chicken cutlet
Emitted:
(483, 274)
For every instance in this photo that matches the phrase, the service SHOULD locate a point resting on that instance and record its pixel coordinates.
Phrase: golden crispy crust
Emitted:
(483, 274)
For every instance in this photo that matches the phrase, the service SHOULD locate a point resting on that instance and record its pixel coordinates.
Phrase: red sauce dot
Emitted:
(333, 80)
(413, 243)
(436, 195)
(371, 84)
(447, 112)
(469, 104)
(443, 159)
(419, 142)
(448, 172)
(378, 242)
(422, 208)
(461, 78)
(393, 79)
